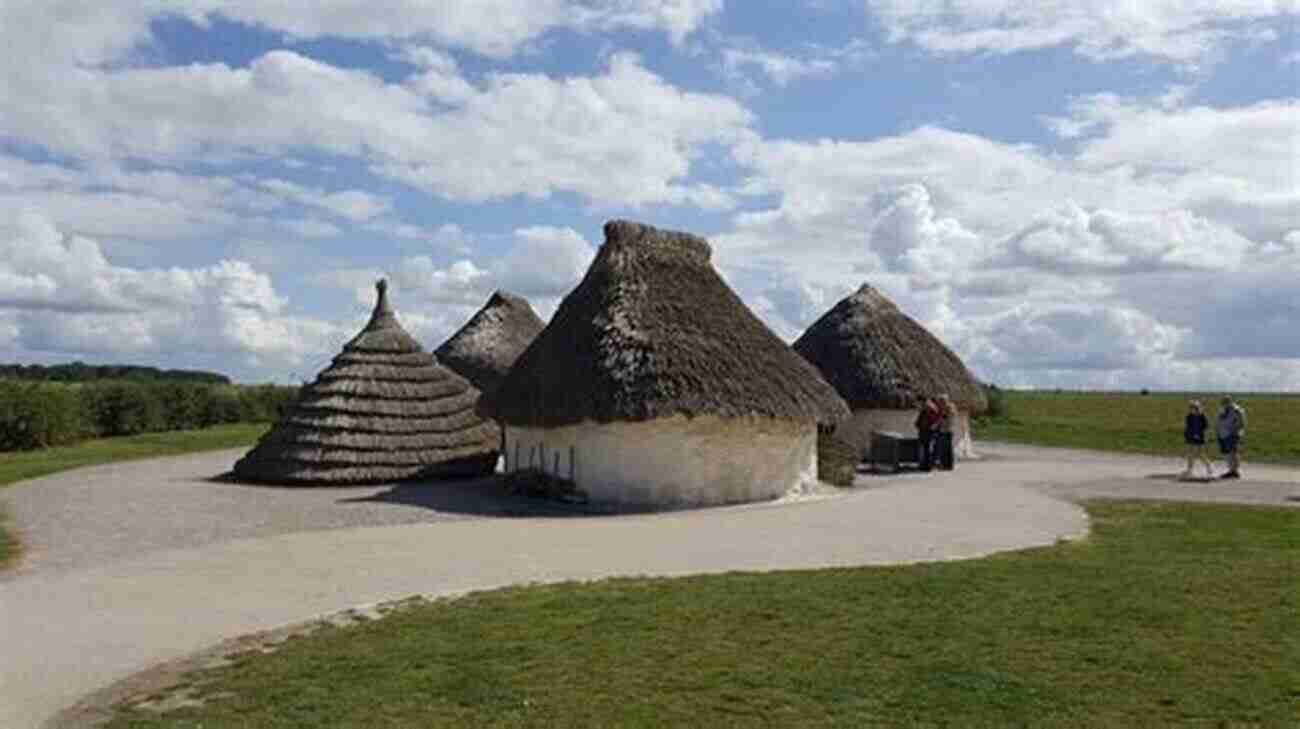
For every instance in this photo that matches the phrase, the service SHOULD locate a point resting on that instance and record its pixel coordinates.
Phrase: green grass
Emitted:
(26, 465)
(9, 547)
(1140, 423)
(1169, 615)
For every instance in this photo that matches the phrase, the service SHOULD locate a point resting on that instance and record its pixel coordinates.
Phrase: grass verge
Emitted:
(1135, 423)
(1169, 615)
(9, 547)
(26, 465)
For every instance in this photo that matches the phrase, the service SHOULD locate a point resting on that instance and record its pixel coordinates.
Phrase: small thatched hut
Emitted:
(488, 345)
(384, 410)
(880, 360)
(654, 385)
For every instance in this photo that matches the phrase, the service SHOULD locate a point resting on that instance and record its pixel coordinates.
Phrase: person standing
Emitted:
(927, 419)
(1230, 427)
(947, 420)
(1194, 427)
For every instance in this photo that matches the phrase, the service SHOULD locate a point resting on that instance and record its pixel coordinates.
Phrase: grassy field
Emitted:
(25, 465)
(1140, 423)
(1169, 615)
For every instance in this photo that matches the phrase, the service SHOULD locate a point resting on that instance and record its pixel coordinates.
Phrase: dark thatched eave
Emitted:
(384, 410)
(652, 331)
(878, 357)
(485, 349)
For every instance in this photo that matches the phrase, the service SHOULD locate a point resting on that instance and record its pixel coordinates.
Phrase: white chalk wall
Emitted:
(858, 428)
(674, 461)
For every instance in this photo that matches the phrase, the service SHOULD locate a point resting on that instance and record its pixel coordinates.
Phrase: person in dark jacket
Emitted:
(1230, 427)
(927, 421)
(943, 442)
(1194, 427)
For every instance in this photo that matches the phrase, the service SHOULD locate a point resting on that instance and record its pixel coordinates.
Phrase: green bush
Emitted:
(265, 403)
(183, 404)
(837, 459)
(38, 415)
(123, 408)
(221, 406)
(997, 402)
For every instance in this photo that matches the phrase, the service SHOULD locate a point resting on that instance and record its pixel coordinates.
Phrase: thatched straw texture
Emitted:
(485, 349)
(878, 357)
(653, 331)
(384, 410)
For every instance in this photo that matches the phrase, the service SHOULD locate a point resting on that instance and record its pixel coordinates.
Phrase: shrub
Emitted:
(265, 403)
(123, 408)
(997, 402)
(38, 415)
(221, 406)
(183, 404)
(837, 459)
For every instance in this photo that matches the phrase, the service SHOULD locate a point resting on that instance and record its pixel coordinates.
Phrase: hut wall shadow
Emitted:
(1178, 477)
(485, 496)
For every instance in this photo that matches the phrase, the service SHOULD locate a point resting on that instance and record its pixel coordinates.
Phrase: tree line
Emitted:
(82, 372)
(39, 414)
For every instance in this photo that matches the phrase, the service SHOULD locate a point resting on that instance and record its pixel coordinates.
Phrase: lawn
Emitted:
(1168, 615)
(1140, 423)
(33, 464)
(25, 465)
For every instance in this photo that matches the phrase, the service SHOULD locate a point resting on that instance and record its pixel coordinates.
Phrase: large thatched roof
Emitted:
(878, 357)
(488, 345)
(653, 331)
(384, 410)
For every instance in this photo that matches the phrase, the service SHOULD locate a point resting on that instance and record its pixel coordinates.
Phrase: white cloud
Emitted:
(546, 262)
(1103, 267)
(1072, 239)
(780, 68)
(625, 137)
(1182, 31)
(1076, 337)
(354, 205)
(62, 295)
(743, 57)
(543, 264)
(91, 34)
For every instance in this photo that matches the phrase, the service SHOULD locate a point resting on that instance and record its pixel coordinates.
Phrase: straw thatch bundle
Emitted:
(652, 331)
(878, 357)
(384, 410)
(488, 345)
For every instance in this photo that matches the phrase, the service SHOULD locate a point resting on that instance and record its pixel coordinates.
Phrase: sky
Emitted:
(1099, 194)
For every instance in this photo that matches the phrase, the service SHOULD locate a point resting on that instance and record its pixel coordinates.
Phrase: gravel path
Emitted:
(143, 562)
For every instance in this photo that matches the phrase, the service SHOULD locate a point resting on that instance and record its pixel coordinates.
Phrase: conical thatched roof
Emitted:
(488, 345)
(384, 410)
(653, 331)
(878, 357)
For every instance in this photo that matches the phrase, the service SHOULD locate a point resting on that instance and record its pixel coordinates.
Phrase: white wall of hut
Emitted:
(673, 461)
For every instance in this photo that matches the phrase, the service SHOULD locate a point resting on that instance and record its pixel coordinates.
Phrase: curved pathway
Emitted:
(133, 564)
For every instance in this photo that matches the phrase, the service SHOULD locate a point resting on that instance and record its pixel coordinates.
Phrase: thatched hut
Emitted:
(484, 350)
(384, 410)
(881, 360)
(654, 385)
